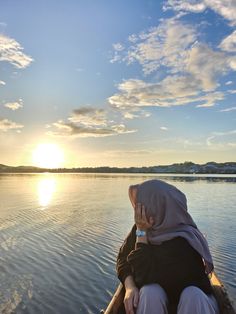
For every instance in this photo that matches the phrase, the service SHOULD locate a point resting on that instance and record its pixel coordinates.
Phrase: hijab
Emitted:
(168, 206)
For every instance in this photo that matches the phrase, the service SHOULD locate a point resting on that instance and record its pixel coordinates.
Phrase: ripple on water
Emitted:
(61, 258)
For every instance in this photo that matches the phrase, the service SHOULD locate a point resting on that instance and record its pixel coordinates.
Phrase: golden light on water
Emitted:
(48, 155)
(46, 189)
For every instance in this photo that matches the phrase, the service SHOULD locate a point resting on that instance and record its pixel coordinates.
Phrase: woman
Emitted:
(165, 260)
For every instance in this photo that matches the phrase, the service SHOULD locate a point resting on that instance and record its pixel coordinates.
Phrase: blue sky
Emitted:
(118, 83)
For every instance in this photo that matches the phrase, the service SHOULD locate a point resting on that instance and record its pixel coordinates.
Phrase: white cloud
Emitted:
(118, 47)
(164, 128)
(174, 45)
(206, 65)
(228, 109)
(131, 113)
(232, 91)
(133, 38)
(225, 8)
(172, 91)
(195, 69)
(221, 139)
(164, 45)
(2, 83)
(210, 100)
(14, 105)
(11, 51)
(228, 83)
(88, 122)
(6, 125)
(229, 43)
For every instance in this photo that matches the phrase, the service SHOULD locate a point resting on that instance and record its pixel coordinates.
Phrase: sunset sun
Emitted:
(48, 156)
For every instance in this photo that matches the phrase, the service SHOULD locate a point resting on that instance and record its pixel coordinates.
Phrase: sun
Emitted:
(48, 155)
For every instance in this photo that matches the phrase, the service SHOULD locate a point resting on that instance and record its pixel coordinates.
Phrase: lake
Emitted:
(60, 234)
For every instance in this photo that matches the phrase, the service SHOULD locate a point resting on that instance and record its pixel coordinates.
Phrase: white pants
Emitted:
(153, 300)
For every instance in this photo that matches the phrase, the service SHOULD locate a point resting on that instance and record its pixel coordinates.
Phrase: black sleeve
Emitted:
(123, 268)
(141, 261)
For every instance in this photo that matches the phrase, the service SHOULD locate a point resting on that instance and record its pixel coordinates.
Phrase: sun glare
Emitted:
(46, 189)
(48, 156)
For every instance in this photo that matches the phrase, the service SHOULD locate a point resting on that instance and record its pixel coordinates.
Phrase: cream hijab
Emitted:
(168, 206)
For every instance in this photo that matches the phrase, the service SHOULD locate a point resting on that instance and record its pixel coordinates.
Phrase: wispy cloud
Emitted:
(132, 113)
(14, 105)
(221, 139)
(232, 91)
(88, 122)
(6, 125)
(11, 51)
(163, 45)
(229, 43)
(2, 83)
(224, 8)
(228, 109)
(172, 91)
(164, 128)
(118, 47)
(228, 83)
(193, 69)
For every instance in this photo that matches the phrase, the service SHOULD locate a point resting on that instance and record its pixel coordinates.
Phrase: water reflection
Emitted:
(62, 260)
(46, 189)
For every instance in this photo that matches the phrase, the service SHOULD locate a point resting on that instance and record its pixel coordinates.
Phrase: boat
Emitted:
(226, 306)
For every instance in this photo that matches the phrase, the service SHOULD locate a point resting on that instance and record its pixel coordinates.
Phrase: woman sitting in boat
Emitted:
(165, 261)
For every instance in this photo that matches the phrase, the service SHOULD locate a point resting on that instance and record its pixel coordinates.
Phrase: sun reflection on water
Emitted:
(46, 189)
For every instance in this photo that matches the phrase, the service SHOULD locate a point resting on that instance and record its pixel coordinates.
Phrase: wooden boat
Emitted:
(225, 305)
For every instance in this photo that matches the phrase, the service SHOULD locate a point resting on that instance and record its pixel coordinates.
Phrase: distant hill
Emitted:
(186, 167)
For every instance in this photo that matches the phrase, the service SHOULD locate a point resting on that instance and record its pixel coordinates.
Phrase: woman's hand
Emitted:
(131, 295)
(140, 218)
(131, 299)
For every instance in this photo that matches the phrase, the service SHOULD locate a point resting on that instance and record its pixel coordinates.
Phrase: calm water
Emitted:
(60, 233)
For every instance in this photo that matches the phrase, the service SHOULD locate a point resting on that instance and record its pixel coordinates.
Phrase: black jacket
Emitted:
(174, 265)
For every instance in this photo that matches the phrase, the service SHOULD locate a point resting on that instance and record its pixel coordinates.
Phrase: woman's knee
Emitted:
(194, 300)
(152, 299)
(192, 291)
(153, 291)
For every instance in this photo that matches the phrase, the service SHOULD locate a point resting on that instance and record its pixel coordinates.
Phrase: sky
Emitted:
(86, 83)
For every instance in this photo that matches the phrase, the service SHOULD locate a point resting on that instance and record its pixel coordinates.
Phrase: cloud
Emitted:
(88, 122)
(172, 91)
(229, 43)
(163, 45)
(118, 47)
(211, 99)
(222, 139)
(133, 38)
(132, 113)
(205, 65)
(225, 8)
(11, 51)
(2, 83)
(193, 69)
(228, 109)
(89, 116)
(228, 83)
(6, 125)
(164, 128)
(14, 105)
